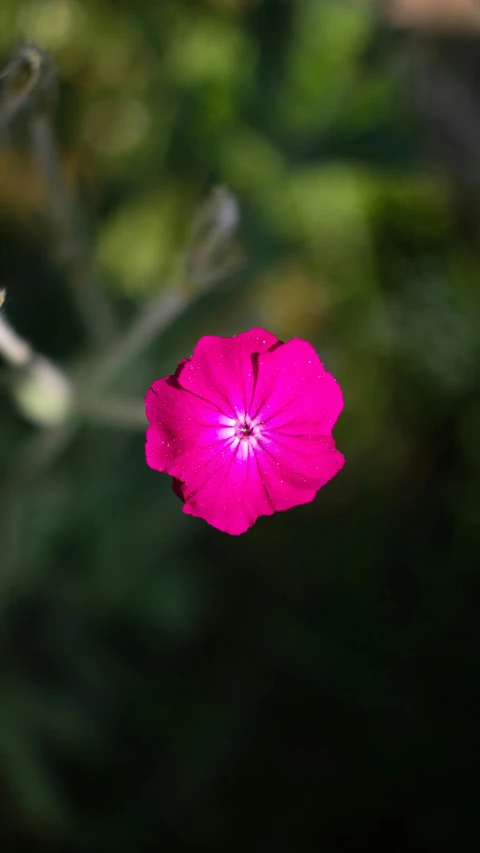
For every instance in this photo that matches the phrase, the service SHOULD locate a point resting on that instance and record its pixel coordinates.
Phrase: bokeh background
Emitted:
(170, 169)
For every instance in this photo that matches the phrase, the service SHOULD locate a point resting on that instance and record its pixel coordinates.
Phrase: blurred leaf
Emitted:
(137, 245)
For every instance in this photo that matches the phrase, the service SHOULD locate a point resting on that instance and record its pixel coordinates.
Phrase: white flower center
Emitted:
(245, 428)
(241, 433)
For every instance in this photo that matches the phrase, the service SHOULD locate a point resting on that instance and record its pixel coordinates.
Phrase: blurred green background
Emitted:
(313, 685)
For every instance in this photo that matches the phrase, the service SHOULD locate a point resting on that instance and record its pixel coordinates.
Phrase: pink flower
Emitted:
(244, 428)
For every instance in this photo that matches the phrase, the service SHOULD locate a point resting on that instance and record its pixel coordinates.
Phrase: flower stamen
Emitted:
(245, 428)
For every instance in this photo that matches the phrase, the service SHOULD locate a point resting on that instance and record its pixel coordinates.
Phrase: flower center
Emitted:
(245, 428)
(242, 433)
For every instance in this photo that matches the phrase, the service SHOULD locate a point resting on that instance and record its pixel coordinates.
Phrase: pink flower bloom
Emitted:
(244, 428)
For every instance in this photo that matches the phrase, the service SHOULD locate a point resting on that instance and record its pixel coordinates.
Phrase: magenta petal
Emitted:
(294, 468)
(233, 490)
(232, 495)
(179, 423)
(293, 393)
(221, 370)
(178, 488)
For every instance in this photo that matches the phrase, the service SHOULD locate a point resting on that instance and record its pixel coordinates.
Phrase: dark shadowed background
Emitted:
(170, 169)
